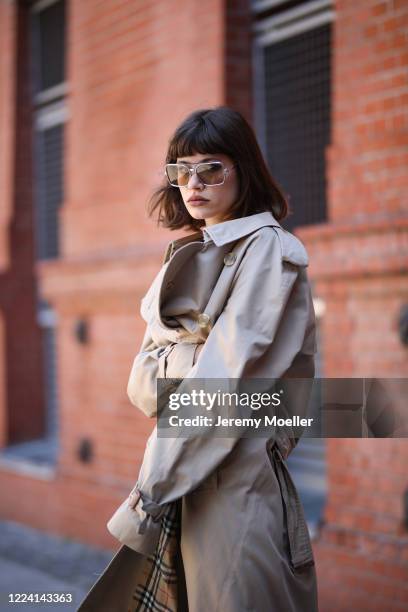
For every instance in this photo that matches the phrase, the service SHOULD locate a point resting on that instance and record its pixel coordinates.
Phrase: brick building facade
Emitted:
(91, 91)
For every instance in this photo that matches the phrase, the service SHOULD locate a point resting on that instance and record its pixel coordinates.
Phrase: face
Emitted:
(211, 203)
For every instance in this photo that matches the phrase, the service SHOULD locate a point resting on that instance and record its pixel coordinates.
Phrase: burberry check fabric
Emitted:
(162, 587)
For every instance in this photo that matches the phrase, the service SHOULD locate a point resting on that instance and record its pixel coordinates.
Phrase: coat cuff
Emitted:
(126, 526)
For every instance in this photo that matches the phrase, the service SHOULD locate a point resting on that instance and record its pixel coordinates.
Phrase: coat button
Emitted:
(230, 258)
(203, 319)
(169, 285)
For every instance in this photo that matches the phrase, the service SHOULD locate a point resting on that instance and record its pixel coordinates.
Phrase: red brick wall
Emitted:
(7, 80)
(21, 395)
(368, 157)
(359, 270)
(359, 262)
(135, 69)
(7, 77)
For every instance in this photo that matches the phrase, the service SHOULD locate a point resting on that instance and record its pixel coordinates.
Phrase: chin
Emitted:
(198, 214)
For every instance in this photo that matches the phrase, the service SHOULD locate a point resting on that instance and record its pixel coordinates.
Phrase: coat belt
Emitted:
(154, 512)
(301, 552)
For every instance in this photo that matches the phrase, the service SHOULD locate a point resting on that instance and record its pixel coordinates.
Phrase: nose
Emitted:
(194, 182)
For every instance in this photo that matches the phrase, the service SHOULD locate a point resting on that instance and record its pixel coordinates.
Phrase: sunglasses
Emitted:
(209, 173)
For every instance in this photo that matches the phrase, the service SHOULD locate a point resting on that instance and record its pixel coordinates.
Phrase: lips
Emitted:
(197, 199)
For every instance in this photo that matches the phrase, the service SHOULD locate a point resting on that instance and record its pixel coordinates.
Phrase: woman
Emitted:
(231, 302)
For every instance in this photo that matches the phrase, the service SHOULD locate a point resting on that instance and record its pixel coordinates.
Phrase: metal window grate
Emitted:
(49, 56)
(49, 162)
(48, 52)
(297, 109)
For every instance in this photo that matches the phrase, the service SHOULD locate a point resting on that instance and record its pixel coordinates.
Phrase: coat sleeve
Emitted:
(148, 365)
(246, 328)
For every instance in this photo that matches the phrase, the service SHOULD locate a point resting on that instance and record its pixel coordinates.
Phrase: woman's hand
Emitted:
(133, 499)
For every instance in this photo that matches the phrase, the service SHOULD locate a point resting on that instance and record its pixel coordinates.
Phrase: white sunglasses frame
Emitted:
(193, 170)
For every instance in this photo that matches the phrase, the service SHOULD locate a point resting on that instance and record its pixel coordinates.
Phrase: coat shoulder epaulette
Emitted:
(292, 248)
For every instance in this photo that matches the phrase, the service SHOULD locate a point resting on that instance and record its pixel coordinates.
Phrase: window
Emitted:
(49, 45)
(292, 64)
(48, 160)
(49, 91)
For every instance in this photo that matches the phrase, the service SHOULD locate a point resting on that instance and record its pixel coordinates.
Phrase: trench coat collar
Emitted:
(234, 229)
(226, 232)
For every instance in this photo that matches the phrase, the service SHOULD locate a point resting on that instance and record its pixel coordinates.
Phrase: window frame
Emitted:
(269, 30)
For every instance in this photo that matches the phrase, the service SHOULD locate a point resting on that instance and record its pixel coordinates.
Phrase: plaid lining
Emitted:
(158, 591)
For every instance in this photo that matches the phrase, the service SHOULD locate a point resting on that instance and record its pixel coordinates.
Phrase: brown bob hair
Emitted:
(219, 130)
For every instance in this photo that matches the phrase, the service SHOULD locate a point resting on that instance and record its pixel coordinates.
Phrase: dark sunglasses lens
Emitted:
(211, 174)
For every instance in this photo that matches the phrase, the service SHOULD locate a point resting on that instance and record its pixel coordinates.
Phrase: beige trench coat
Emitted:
(243, 292)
